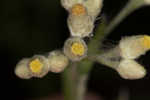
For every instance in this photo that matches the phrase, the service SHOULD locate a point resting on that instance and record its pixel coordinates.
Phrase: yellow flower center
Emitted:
(146, 41)
(78, 9)
(36, 66)
(77, 49)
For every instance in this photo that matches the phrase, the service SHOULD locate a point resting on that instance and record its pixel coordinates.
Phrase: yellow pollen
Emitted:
(78, 9)
(36, 66)
(146, 41)
(77, 49)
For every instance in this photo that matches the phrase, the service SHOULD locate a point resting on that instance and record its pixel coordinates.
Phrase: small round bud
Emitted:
(93, 7)
(57, 61)
(80, 26)
(130, 69)
(134, 46)
(38, 65)
(22, 70)
(75, 48)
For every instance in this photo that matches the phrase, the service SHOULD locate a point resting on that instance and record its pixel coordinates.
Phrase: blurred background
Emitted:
(31, 27)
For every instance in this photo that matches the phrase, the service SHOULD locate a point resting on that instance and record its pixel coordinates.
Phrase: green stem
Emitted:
(69, 82)
(73, 83)
(93, 48)
(110, 58)
(131, 6)
(81, 87)
(75, 76)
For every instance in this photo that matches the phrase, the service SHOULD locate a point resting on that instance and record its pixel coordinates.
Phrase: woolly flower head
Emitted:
(80, 26)
(75, 48)
(130, 69)
(134, 46)
(37, 66)
(57, 61)
(22, 70)
(82, 14)
(127, 68)
(79, 22)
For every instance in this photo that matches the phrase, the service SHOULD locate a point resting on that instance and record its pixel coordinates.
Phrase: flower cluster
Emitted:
(123, 57)
(39, 65)
(82, 15)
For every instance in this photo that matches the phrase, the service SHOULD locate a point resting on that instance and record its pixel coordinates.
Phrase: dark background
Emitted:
(31, 27)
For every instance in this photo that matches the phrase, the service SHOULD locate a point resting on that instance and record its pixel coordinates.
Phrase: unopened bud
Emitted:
(75, 48)
(134, 46)
(57, 61)
(22, 70)
(130, 69)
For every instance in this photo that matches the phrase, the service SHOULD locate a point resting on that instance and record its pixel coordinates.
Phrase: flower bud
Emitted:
(38, 65)
(57, 61)
(130, 69)
(93, 7)
(75, 48)
(22, 70)
(80, 26)
(134, 46)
